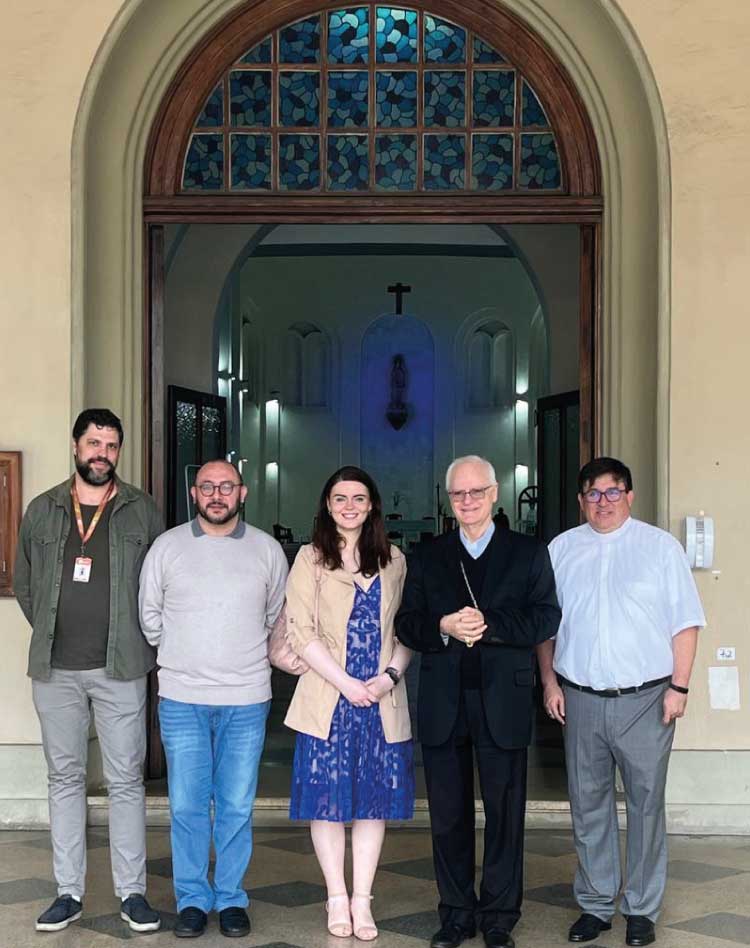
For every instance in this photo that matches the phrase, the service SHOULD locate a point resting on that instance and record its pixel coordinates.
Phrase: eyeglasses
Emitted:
(476, 493)
(225, 488)
(613, 494)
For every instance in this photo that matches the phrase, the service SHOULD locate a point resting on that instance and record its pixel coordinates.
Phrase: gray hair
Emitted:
(469, 459)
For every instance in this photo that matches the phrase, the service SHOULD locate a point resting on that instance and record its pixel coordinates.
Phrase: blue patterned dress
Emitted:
(355, 774)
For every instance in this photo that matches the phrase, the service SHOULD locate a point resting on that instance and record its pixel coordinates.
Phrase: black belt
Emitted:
(614, 692)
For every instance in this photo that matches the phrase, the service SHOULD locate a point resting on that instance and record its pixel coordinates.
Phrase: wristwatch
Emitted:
(392, 674)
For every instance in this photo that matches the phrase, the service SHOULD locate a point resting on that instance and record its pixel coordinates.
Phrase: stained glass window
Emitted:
(372, 98)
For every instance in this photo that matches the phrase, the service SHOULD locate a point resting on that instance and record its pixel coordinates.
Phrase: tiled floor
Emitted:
(707, 906)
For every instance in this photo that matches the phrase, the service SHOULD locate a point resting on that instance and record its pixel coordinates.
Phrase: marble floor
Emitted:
(707, 905)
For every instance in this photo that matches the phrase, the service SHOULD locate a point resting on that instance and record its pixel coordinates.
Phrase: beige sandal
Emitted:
(341, 928)
(367, 930)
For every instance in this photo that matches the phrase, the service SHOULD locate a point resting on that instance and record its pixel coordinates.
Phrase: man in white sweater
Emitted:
(210, 592)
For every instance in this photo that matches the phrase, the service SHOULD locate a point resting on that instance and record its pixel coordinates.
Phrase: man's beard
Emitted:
(95, 478)
(218, 515)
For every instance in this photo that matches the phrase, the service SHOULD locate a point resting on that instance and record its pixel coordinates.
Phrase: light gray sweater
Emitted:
(208, 604)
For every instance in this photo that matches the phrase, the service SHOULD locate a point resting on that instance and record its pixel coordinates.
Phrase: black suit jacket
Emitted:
(520, 608)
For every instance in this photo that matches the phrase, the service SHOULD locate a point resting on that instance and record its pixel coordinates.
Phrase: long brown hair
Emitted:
(373, 548)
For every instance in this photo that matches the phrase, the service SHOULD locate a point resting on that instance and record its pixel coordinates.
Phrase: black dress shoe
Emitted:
(498, 938)
(587, 928)
(639, 931)
(191, 922)
(234, 922)
(450, 936)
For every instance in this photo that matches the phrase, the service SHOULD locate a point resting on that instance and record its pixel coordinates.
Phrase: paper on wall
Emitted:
(724, 688)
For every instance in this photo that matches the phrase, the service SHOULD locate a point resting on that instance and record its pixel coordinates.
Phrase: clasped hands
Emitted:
(364, 693)
(467, 625)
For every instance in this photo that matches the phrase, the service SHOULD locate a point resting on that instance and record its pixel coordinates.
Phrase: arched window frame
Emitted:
(502, 30)
(490, 380)
(307, 354)
(303, 110)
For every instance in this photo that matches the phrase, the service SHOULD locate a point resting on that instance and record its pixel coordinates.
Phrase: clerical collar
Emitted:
(475, 548)
(236, 534)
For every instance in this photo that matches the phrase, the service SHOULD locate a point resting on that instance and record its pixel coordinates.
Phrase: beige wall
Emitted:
(697, 54)
(708, 119)
(46, 50)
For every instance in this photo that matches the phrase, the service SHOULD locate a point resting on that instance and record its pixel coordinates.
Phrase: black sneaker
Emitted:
(139, 915)
(60, 914)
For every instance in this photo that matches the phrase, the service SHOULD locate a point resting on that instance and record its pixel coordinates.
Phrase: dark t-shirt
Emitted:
(82, 626)
(476, 570)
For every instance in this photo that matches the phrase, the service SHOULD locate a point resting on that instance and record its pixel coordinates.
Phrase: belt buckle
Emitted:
(611, 692)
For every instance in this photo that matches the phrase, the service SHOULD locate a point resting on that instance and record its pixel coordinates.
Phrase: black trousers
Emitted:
(449, 774)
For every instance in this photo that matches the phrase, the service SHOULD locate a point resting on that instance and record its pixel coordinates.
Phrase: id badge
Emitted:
(82, 569)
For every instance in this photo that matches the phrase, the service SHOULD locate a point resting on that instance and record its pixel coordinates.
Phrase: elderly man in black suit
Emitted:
(475, 604)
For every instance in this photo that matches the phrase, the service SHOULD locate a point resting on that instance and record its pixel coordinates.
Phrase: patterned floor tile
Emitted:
(290, 894)
(560, 895)
(416, 868)
(544, 844)
(419, 925)
(294, 844)
(26, 890)
(684, 870)
(115, 927)
(726, 925)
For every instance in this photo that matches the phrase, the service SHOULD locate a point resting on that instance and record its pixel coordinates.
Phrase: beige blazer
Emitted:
(314, 700)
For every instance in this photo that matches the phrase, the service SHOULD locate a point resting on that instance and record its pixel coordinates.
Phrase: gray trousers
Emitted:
(63, 704)
(627, 732)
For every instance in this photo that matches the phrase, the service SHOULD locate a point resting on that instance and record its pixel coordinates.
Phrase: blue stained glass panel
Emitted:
(444, 162)
(204, 165)
(396, 162)
(348, 36)
(444, 98)
(299, 162)
(300, 42)
(250, 97)
(260, 53)
(251, 161)
(492, 162)
(212, 113)
(347, 99)
(396, 35)
(348, 162)
(396, 99)
(443, 42)
(540, 165)
(484, 53)
(494, 98)
(299, 98)
(532, 112)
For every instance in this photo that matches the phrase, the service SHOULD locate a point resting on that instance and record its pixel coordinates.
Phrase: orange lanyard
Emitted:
(85, 537)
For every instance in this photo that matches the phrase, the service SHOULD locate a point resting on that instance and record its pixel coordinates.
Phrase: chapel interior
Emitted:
(295, 349)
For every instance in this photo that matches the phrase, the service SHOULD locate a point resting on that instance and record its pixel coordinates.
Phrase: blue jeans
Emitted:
(213, 752)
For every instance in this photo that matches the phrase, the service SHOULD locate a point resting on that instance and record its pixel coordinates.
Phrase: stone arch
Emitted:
(142, 54)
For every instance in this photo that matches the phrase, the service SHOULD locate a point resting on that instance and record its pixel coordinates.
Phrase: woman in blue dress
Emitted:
(353, 759)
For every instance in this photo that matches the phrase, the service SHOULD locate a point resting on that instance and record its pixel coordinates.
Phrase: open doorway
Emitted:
(289, 338)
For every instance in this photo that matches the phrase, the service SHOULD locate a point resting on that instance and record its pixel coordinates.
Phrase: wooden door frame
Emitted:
(579, 200)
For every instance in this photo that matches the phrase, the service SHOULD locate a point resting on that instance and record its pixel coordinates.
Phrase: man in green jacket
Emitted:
(80, 551)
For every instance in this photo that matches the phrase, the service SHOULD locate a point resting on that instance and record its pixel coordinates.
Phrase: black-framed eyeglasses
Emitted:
(225, 488)
(476, 493)
(613, 494)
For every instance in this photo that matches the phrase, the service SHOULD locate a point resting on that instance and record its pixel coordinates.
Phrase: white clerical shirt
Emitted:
(623, 595)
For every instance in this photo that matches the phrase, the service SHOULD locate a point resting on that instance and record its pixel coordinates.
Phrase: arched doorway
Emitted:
(369, 114)
(146, 55)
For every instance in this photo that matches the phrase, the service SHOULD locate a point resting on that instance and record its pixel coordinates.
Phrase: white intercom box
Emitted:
(699, 541)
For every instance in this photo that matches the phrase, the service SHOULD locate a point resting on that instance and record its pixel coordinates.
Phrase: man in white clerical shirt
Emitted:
(617, 677)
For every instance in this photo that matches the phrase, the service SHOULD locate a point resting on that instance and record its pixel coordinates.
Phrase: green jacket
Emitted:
(133, 526)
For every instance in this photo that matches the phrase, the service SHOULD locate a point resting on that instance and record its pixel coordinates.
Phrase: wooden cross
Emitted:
(399, 289)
